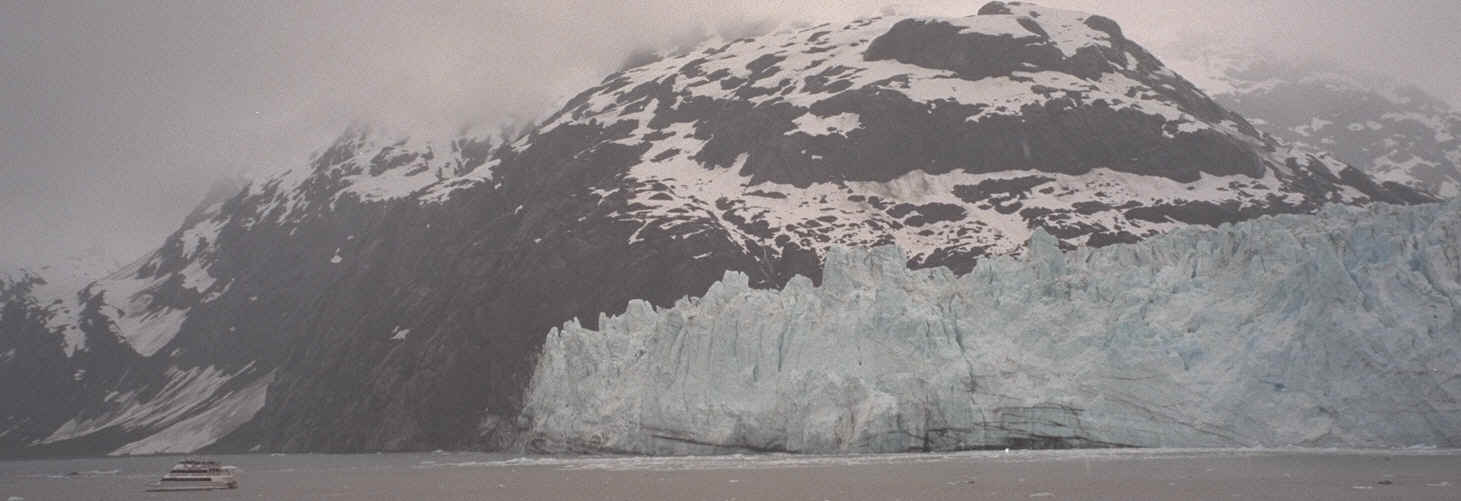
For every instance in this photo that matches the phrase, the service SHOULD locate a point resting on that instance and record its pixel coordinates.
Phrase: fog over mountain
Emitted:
(118, 116)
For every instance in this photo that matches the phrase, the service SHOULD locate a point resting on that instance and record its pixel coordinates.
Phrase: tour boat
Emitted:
(196, 475)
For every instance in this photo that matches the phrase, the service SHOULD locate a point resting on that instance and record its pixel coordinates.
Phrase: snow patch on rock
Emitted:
(813, 125)
(202, 429)
(399, 334)
(187, 392)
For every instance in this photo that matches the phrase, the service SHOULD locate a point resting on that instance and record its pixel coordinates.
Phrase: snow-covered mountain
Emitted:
(53, 288)
(1395, 132)
(981, 128)
(1334, 330)
(110, 364)
(394, 292)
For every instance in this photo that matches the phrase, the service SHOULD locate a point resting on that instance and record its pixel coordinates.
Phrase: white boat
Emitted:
(196, 475)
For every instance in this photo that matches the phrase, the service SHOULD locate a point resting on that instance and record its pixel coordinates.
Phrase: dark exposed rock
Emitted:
(1106, 25)
(927, 213)
(763, 67)
(994, 8)
(1203, 213)
(940, 45)
(1111, 238)
(1018, 187)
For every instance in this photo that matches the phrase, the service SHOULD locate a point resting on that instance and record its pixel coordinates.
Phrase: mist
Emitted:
(117, 116)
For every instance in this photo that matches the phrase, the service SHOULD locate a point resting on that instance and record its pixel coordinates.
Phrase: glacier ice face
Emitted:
(1333, 330)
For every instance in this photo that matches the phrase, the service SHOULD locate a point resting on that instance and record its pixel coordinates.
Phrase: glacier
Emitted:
(1338, 329)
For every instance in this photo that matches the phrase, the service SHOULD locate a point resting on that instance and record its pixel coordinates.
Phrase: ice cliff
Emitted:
(1339, 329)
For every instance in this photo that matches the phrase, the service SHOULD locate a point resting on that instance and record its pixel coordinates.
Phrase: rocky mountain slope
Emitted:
(393, 293)
(1337, 330)
(1395, 132)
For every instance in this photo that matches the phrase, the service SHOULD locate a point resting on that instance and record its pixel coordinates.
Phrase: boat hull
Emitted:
(210, 486)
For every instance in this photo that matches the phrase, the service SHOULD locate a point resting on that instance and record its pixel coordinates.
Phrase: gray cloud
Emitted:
(117, 115)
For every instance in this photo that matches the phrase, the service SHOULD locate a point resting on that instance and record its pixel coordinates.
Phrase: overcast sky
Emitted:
(116, 115)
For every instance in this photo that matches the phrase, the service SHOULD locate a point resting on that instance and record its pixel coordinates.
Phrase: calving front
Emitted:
(1332, 330)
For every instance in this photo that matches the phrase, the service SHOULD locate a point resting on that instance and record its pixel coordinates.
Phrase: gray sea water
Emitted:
(1073, 474)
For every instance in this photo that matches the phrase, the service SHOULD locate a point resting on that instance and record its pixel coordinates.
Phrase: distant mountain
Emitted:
(1394, 131)
(105, 381)
(53, 287)
(394, 292)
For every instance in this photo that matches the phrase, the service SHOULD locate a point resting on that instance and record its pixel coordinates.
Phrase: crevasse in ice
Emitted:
(1339, 329)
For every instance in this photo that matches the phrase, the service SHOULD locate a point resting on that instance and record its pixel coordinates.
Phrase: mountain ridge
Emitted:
(1395, 132)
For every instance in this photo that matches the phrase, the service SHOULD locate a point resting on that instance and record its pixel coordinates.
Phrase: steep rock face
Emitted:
(177, 349)
(29, 351)
(50, 368)
(1334, 330)
(1395, 132)
(392, 293)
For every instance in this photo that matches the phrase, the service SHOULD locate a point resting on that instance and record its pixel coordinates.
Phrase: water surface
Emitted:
(1081, 474)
